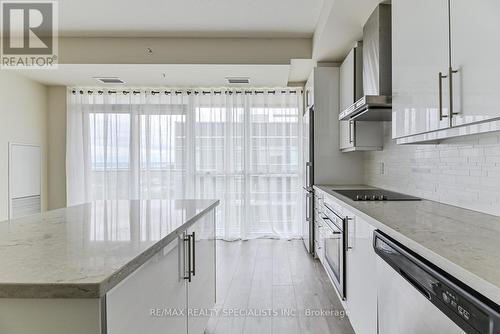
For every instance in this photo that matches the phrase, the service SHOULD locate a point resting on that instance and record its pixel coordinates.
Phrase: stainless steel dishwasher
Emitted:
(415, 297)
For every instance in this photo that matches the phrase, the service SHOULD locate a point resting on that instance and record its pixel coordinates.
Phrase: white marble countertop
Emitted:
(83, 251)
(464, 243)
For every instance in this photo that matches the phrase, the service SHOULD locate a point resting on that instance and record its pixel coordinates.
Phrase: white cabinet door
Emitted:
(361, 284)
(201, 289)
(419, 53)
(346, 99)
(318, 225)
(309, 88)
(140, 303)
(475, 28)
(346, 134)
(347, 82)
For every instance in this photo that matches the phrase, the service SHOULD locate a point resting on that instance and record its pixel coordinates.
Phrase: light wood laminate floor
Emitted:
(277, 277)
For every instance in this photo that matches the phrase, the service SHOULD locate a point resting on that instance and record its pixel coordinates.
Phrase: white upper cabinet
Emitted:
(419, 54)
(356, 136)
(347, 97)
(475, 54)
(348, 81)
(456, 38)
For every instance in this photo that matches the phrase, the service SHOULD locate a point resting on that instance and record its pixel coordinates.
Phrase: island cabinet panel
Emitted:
(49, 316)
(201, 289)
(153, 299)
(174, 292)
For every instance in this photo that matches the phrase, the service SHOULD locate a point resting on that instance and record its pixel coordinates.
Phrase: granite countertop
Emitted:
(464, 243)
(83, 251)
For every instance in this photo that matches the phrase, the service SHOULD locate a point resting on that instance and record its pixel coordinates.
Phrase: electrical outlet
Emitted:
(382, 168)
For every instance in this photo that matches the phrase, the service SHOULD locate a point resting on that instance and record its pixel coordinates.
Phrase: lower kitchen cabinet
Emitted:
(319, 239)
(361, 284)
(361, 136)
(173, 291)
(318, 226)
(157, 286)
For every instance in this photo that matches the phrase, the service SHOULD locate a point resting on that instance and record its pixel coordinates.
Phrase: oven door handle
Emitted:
(333, 211)
(333, 231)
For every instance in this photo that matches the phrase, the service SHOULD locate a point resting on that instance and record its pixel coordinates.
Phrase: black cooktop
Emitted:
(375, 195)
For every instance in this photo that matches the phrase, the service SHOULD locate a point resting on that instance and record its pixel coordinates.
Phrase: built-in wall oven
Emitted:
(335, 246)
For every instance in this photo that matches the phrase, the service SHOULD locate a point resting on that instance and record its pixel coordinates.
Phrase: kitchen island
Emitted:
(106, 266)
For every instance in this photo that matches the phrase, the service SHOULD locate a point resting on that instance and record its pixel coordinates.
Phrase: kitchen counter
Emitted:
(464, 243)
(84, 251)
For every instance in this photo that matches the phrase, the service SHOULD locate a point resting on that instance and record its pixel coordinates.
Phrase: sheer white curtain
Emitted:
(241, 147)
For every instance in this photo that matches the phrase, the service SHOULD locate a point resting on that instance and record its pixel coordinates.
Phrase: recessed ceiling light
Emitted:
(238, 80)
(110, 80)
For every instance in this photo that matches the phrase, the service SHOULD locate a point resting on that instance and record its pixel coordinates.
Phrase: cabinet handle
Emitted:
(352, 131)
(193, 271)
(308, 174)
(308, 208)
(188, 239)
(450, 78)
(441, 77)
(347, 219)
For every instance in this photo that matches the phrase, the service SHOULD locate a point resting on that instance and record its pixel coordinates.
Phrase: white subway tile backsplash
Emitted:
(462, 171)
(488, 139)
(493, 160)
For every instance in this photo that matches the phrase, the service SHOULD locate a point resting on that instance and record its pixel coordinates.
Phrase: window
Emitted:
(240, 148)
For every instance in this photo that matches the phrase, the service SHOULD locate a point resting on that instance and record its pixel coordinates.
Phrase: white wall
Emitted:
(129, 50)
(331, 165)
(56, 147)
(462, 171)
(23, 119)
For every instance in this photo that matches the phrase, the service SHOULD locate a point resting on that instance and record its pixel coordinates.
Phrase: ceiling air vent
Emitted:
(238, 80)
(110, 80)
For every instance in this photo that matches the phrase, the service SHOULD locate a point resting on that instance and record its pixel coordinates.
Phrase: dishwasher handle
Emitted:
(415, 284)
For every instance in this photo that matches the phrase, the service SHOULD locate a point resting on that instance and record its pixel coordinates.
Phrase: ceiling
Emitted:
(143, 75)
(334, 25)
(340, 27)
(189, 18)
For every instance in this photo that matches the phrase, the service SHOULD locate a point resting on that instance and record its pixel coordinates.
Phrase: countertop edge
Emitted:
(100, 289)
(477, 283)
(126, 270)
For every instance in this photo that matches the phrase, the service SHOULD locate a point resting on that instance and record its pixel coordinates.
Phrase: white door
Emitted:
(419, 53)
(361, 296)
(201, 289)
(142, 302)
(475, 28)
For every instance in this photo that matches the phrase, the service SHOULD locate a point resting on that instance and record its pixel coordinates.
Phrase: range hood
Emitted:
(376, 104)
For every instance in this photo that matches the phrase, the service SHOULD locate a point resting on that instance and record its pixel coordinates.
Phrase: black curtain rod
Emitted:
(188, 92)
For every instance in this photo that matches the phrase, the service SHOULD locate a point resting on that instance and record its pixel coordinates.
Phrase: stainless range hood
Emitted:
(376, 104)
